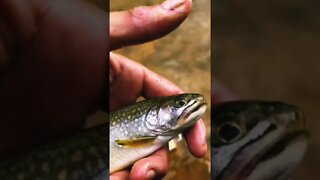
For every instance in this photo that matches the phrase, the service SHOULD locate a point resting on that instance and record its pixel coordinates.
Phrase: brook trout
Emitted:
(82, 157)
(256, 140)
(138, 130)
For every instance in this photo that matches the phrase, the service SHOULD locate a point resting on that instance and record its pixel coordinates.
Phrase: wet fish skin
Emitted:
(256, 140)
(140, 129)
(82, 157)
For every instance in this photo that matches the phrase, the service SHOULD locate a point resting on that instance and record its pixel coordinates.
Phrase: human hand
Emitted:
(52, 69)
(129, 80)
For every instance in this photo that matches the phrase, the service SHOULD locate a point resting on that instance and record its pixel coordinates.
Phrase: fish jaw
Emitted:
(284, 163)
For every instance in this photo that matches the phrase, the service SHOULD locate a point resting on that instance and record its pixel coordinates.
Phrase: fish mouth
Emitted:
(272, 155)
(191, 113)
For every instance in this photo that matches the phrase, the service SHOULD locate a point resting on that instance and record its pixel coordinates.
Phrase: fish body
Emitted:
(138, 130)
(256, 140)
(82, 157)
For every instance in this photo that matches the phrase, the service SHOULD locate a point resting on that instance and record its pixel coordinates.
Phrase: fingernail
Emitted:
(151, 174)
(172, 4)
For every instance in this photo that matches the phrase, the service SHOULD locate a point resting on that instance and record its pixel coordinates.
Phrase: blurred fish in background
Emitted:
(269, 50)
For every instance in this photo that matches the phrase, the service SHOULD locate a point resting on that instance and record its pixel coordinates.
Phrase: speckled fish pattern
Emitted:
(82, 157)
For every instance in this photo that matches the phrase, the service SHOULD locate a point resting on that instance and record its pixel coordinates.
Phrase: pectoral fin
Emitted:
(136, 142)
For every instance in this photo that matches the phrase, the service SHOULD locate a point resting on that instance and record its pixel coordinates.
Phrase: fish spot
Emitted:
(32, 168)
(76, 175)
(62, 175)
(21, 176)
(93, 150)
(101, 164)
(45, 167)
(77, 156)
(88, 166)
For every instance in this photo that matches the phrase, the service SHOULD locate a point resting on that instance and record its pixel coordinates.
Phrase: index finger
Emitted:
(146, 23)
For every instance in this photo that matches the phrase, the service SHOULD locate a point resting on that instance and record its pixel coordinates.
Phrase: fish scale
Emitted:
(83, 156)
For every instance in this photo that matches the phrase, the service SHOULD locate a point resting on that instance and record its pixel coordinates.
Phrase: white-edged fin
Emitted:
(136, 142)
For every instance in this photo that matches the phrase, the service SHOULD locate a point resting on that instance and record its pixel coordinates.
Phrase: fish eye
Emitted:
(181, 102)
(229, 132)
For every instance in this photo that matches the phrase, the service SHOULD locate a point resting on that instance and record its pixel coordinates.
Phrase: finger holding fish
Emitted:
(154, 166)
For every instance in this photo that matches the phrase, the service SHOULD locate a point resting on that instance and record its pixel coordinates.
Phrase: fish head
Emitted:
(257, 140)
(175, 113)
